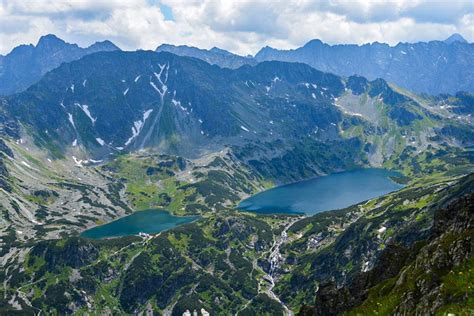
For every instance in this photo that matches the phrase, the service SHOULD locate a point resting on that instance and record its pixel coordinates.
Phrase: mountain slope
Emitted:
(431, 67)
(432, 276)
(106, 103)
(26, 64)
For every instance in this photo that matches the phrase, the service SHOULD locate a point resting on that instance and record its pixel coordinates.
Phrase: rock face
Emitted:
(425, 278)
(26, 64)
(430, 67)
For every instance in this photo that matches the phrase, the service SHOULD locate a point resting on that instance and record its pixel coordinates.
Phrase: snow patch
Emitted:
(125, 92)
(178, 104)
(244, 128)
(85, 109)
(84, 83)
(71, 120)
(100, 141)
(72, 88)
(161, 80)
(79, 162)
(162, 93)
(137, 78)
(137, 127)
(74, 143)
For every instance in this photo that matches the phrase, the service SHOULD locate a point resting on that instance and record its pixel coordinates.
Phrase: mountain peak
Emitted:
(314, 43)
(165, 46)
(49, 40)
(104, 46)
(264, 51)
(456, 37)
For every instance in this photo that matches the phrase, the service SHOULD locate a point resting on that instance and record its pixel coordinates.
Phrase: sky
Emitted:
(240, 26)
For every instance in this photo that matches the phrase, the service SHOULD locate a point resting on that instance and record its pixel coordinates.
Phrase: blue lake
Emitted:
(331, 192)
(149, 221)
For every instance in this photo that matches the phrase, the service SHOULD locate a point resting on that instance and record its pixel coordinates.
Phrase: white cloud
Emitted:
(241, 26)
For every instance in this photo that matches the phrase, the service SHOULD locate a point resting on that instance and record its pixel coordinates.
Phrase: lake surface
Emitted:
(149, 221)
(326, 193)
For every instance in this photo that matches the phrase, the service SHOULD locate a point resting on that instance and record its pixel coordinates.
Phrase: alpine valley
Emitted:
(90, 136)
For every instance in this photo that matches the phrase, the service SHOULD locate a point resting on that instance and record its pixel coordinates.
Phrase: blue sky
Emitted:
(241, 26)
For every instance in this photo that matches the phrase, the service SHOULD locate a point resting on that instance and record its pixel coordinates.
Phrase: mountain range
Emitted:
(109, 133)
(110, 102)
(425, 67)
(421, 67)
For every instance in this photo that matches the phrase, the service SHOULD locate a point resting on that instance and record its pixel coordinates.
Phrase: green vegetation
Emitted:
(208, 264)
(152, 181)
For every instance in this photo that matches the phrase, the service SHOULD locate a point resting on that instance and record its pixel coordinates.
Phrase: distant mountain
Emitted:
(456, 37)
(26, 64)
(214, 56)
(431, 67)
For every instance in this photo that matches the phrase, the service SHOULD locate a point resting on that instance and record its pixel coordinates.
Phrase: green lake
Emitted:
(149, 221)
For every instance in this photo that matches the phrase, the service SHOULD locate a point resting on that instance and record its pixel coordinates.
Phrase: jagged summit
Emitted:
(50, 40)
(214, 56)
